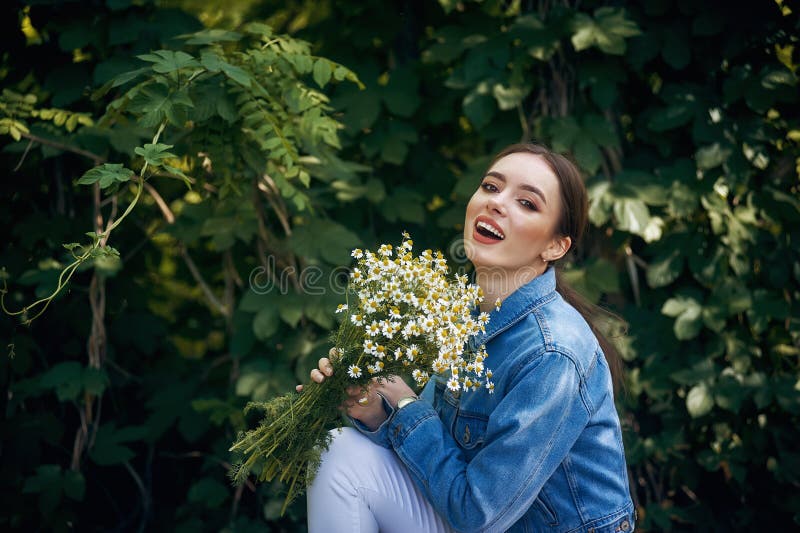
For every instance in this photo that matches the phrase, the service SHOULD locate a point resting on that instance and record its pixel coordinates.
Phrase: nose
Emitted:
(495, 204)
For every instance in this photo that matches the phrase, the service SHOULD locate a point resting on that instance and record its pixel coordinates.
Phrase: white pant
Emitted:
(364, 488)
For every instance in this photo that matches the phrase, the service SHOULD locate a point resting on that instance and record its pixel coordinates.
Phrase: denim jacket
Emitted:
(544, 452)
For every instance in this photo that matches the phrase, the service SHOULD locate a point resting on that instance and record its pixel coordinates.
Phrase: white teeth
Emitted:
(491, 229)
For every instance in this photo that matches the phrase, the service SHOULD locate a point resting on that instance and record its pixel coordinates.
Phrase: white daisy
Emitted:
(354, 371)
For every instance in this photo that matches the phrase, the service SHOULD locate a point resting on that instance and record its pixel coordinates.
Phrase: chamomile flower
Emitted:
(453, 384)
(341, 308)
(490, 387)
(370, 306)
(373, 329)
(497, 304)
(412, 352)
(369, 346)
(354, 371)
(358, 320)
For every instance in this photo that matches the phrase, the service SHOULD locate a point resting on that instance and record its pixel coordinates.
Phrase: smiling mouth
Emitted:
(489, 231)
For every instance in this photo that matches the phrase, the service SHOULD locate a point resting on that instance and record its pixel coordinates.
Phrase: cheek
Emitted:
(533, 233)
(472, 206)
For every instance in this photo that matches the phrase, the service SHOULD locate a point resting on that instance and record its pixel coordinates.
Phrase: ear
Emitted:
(557, 249)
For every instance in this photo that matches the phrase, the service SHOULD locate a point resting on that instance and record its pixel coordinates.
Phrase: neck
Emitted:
(499, 284)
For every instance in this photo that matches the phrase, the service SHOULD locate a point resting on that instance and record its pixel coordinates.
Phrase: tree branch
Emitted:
(203, 285)
(98, 159)
(162, 205)
(145, 496)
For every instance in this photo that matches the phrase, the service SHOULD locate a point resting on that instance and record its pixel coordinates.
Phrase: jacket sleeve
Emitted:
(380, 435)
(527, 436)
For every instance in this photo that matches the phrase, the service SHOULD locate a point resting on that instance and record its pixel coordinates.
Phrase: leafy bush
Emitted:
(123, 398)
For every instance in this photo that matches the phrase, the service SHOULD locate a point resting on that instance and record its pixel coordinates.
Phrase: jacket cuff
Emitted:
(381, 434)
(406, 420)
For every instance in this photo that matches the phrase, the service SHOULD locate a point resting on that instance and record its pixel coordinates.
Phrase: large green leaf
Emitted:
(607, 30)
(167, 61)
(109, 445)
(699, 401)
(106, 175)
(664, 270)
(688, 316)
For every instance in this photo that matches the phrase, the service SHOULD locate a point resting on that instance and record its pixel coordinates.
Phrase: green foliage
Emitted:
(683, 117)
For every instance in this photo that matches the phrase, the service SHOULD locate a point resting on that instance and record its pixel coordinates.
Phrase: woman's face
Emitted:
(511, 220)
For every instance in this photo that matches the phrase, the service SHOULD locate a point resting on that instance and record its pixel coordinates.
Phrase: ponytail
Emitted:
(592, 314)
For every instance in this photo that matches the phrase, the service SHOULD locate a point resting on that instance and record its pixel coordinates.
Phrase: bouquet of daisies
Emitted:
(405, 316)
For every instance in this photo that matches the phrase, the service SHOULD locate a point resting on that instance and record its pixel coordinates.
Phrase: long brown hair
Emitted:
(572, 223)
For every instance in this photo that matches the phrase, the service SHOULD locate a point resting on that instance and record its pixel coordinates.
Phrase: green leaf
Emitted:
(587, 154)
(663, 271)
(155, 154)
(670, 117)
(46, 476)
(266, 322)
(632, 215)
(700, 371)
(404, 204)
(209, 36)
(699, 401)
(125, 77)
(324, 239)
(564, 132)
(65, 378)
(166, 61)
(509, 97)
(322, 72)
(108, 448)
(711, 156)
(290, 310)
(479, 108)
(401, 94)
(107, 174)
(607, 30)
(688, 313)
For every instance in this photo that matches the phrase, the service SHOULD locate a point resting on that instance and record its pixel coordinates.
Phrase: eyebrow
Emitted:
(524, 186)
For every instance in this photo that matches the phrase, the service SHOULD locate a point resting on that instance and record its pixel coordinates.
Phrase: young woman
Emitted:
(544, 452)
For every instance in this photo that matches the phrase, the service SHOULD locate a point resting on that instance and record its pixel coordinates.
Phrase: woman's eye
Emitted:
(527, 204)
(487, 186)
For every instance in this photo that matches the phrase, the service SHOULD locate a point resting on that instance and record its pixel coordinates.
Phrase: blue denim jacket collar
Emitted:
(533, 294)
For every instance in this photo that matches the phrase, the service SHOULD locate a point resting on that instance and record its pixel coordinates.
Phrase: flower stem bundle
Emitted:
(405, 316)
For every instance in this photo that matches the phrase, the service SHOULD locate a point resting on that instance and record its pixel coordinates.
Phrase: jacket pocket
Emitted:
(545, 508)
(469, 430)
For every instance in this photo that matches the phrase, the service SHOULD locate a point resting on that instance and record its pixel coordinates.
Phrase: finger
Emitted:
(325, 366)
(317, 376)
(332, 352)
(299, 388)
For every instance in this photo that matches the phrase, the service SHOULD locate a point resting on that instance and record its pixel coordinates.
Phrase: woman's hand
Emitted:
(365, 405)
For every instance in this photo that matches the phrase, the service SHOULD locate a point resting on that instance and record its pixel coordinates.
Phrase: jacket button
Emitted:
(625, 526)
